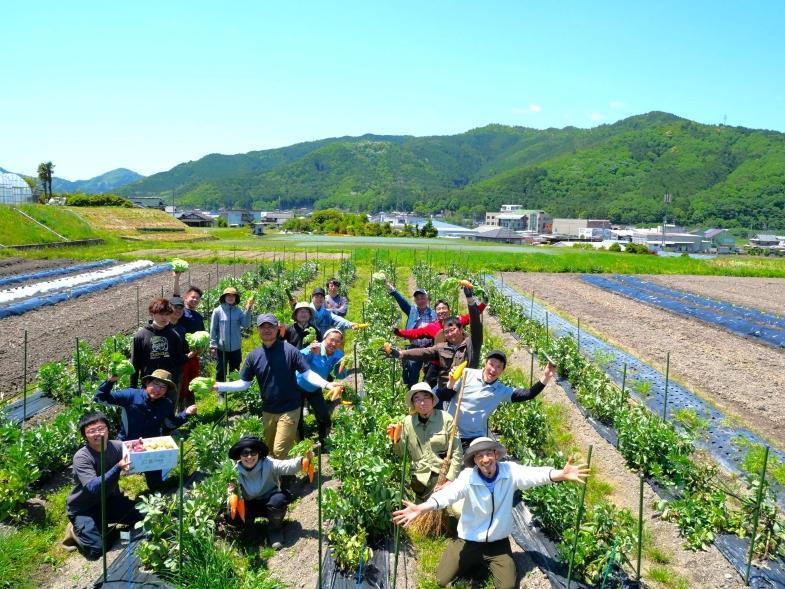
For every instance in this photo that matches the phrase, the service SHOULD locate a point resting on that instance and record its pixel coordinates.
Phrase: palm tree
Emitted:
(45, 170)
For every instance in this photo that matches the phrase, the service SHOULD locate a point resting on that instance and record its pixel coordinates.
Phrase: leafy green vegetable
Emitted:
(119, 365)
(379, 276)
(310, 337)
(179, 265)
(201, 385)
(198, 340)
(449, 283)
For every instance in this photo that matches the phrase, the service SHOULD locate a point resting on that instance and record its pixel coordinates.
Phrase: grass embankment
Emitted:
(16, 229)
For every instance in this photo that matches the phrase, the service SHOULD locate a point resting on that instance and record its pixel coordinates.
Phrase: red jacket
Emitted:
(432, 329)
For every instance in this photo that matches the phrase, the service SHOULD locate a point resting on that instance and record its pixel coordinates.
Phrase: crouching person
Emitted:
(146, 412)
(259, 487)
(83, 504)
(487, 488)
(426, 436)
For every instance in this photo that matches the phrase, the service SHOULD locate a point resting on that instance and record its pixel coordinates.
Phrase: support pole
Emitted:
(578, 523)
(400, 501)
(356, 369)
(531, 367)
(138, 314)
(78, 368)
(579, 335)
(547, 327)
(640, 528)
(531, 307)
(319, 502)
(103, 504)
(756, 518)
(180, 510)
(24, 384)
(667, 377)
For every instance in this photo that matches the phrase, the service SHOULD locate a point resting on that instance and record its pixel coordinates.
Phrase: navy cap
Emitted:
(267, 318)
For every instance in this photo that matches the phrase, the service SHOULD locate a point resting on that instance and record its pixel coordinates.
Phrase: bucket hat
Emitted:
(251, 442)
(479, 445)
(227, 291)
(420, 387)
(302, 305)
(160, 374)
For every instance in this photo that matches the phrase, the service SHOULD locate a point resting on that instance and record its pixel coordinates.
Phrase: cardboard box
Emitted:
(148, 460)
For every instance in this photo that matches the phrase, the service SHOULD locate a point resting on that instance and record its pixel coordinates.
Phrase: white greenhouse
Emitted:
(14, 190)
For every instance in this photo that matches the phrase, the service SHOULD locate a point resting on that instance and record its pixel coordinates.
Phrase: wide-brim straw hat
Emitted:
(479, 445)
(299, 306)
(160, 374)
(420, 387)
(227, 291)
(251, 442)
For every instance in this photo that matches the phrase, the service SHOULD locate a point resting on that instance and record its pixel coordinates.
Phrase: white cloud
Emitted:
(595, 116)
(532, 108)
(617, 104)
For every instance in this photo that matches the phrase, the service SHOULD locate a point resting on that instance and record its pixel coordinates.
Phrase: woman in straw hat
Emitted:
(226, 325)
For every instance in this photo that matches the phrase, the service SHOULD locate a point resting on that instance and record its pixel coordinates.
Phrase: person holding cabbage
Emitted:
(190, 323)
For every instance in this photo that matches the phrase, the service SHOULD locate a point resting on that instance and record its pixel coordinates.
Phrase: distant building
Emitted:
(148, 202)
(195, 218)
(675, 241)
(574, 227)
(516, 218)
(275, 218)
(14, 190)
(765, 240)
(498, 234)
(720, 240)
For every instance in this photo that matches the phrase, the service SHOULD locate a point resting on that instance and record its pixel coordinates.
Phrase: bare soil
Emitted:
(12, 266)
(707, 569)
(764, 294)
(744, 379)
(51, 331)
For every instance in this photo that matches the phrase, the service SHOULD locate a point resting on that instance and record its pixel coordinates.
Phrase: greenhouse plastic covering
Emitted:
(53, 272)
(721, 439)
(31, 303)
(21, 292)
(764, 327)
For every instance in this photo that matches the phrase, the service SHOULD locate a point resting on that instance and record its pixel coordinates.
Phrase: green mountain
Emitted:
(108, 182)
(718, 175)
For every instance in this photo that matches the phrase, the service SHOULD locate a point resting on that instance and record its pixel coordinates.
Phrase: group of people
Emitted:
(454, 460)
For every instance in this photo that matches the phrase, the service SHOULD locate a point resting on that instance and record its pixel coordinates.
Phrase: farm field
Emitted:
(744, 379)
(51, 331)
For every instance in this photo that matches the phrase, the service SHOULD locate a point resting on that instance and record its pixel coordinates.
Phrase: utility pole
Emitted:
(667, 200)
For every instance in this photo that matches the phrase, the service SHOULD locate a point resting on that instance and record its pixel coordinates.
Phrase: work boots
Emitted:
(274, 527)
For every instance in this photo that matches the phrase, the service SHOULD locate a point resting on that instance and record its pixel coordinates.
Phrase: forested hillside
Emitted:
(729, 176)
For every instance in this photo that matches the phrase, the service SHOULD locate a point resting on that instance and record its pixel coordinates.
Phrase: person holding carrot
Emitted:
(426, 435)
(258, 492)
(483, 392)
(487, 487)
(417, 316)
(226, 325)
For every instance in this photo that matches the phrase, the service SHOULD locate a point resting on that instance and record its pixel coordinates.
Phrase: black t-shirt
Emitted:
(274, 369)
(191, 321)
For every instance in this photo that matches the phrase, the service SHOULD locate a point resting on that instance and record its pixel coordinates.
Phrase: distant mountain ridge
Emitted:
(107, 182)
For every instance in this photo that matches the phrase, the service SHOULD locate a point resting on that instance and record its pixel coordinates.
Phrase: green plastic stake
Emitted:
(531, 308)
(624, 378)
(531, 367)
(103, 505)
(356, 387)
(319, 503)
(180, 508)
(611, 561)
(640, 527)
(78, 368)
(138, 312)
(24, 385)
(226, 409)
(756, 518)
(579, 335)
(578, 523)
(667, 376)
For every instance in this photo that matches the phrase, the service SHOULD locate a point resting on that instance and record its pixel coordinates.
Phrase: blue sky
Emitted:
(93, 86)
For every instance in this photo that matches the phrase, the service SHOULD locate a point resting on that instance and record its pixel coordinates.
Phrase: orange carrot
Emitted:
(241, 508)
(306, 464)
(397, 432)
(311, 472)
(282, 330)
(465, 284)
(232, 503)
(391, 432)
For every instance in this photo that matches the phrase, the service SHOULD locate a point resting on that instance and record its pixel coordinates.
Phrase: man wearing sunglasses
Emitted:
(83, 504)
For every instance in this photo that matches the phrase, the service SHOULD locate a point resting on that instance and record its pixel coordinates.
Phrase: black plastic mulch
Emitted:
(376, 574)
(125, 573)
(36, 403)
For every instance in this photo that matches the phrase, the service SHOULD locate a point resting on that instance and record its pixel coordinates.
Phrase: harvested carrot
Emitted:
(306, 464)
(311, 472)
(391, 432)
(397, 432)
(387, 347)
(465, 284)
(232, 503)
(362, 325)
(241, 508)
(282, 330)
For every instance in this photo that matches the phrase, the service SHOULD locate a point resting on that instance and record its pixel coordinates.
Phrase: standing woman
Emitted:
(226, 326)
(335, 301)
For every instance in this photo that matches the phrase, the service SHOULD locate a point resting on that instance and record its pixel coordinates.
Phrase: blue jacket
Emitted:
(321, 364)
(142, 418)
(324, 319)
(226, 326)
(413, 315)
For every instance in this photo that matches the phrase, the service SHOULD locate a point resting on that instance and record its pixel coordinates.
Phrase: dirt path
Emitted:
(765, 294)
(707, 569)
(744, 379)
(51, 331)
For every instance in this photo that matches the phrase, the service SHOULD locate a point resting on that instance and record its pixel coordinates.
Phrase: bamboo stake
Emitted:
(756, 518)
(578, 523)
(640, 527)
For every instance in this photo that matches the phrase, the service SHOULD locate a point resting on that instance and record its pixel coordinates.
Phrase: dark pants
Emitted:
(411, 370)
(87, 525)
(462, 558)
(231, 359)
(272, 506)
